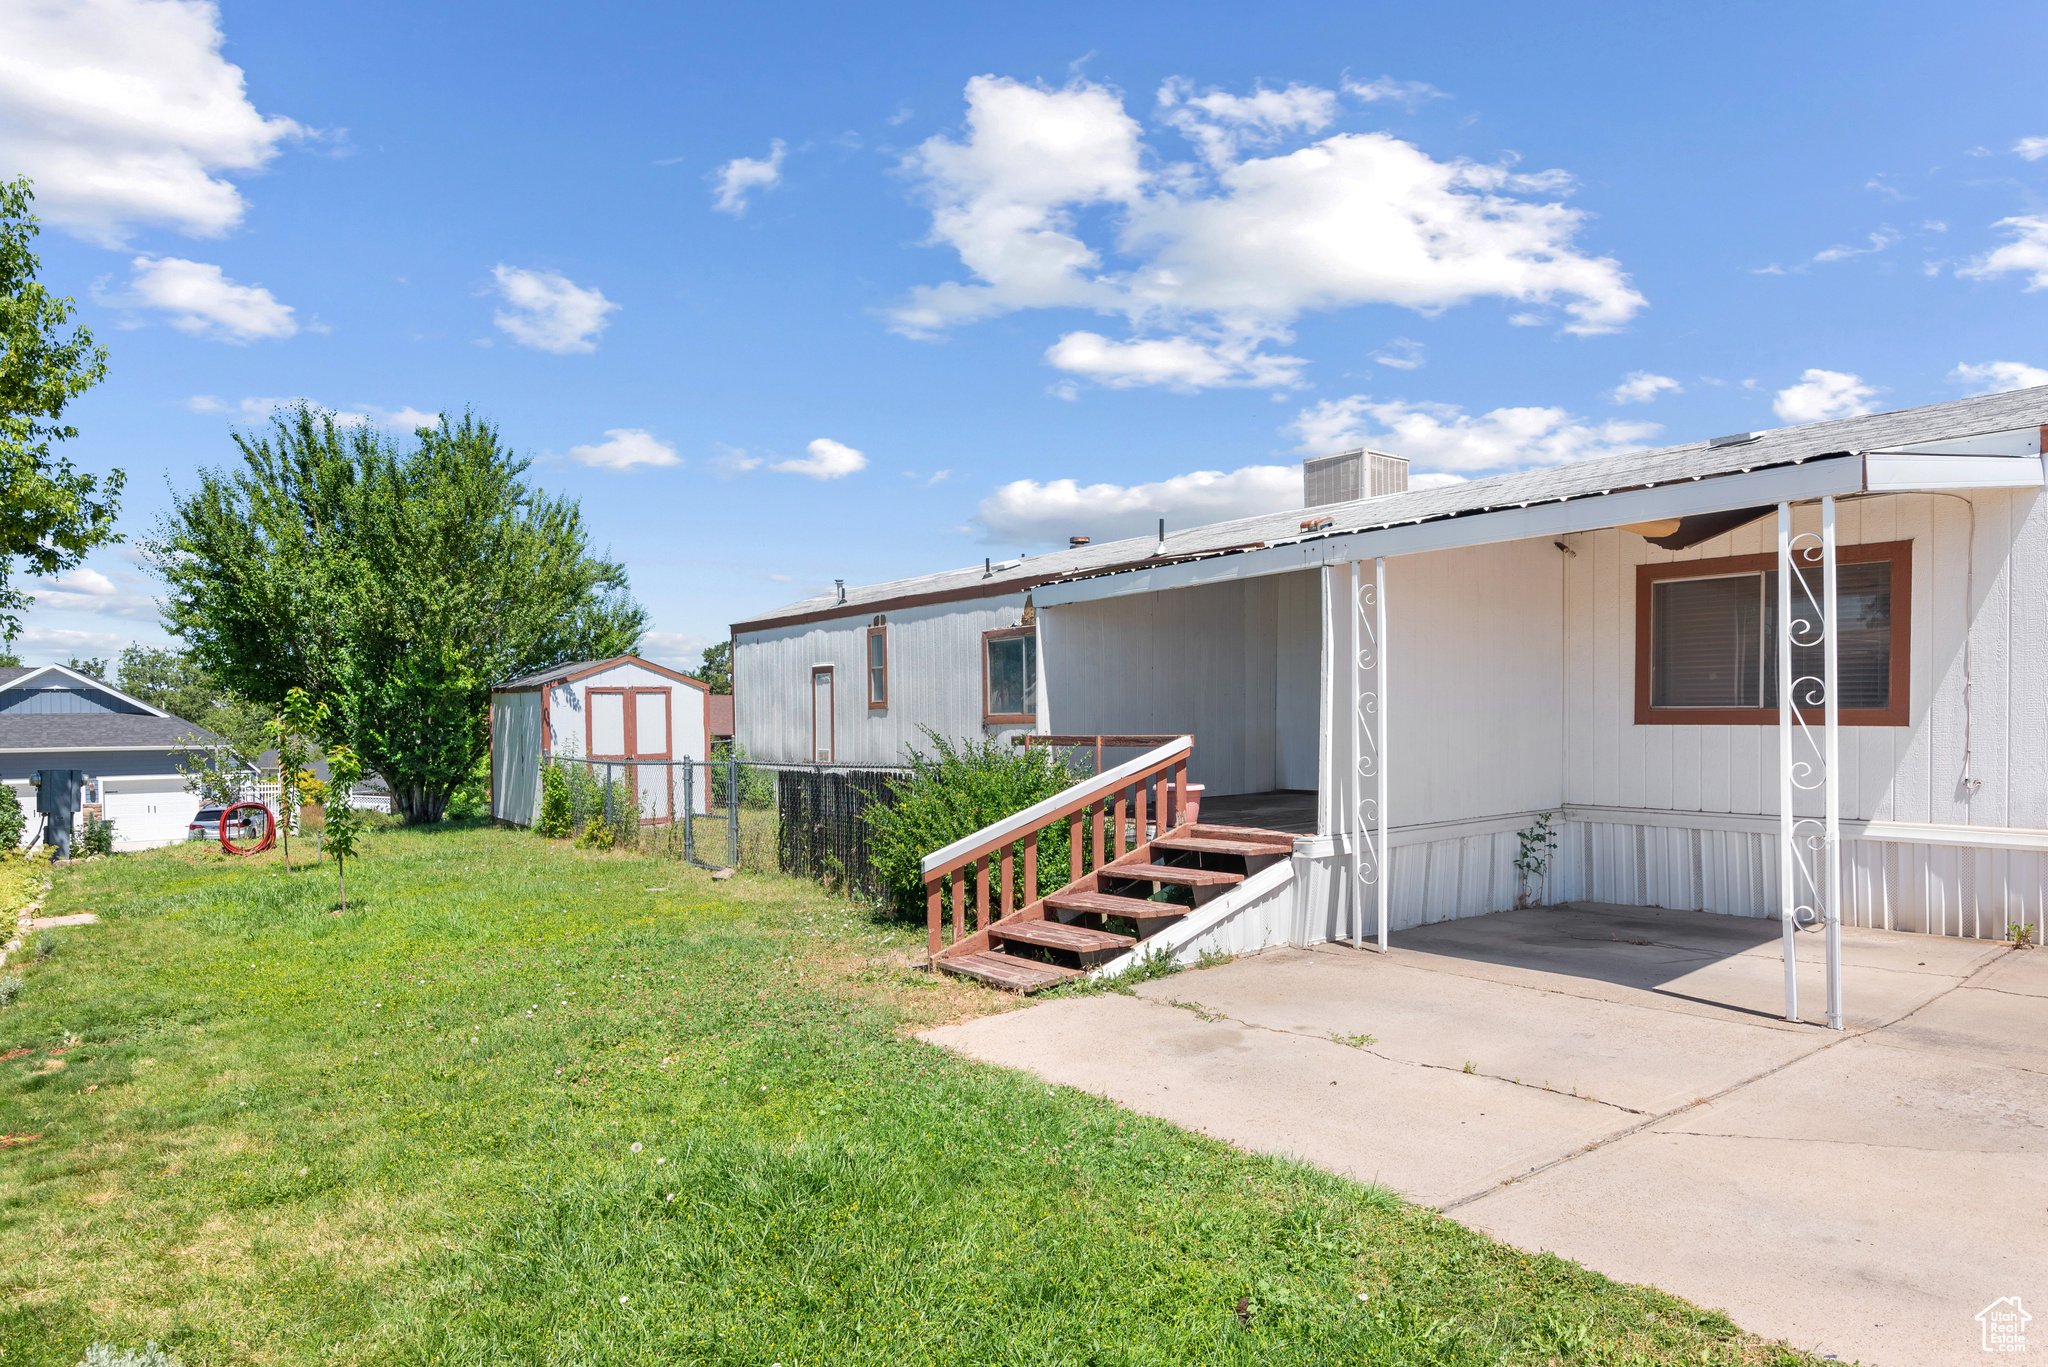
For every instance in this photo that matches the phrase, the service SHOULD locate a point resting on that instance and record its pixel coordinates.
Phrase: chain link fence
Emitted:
(800, 819)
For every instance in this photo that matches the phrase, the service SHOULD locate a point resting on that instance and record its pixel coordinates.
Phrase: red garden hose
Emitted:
(269, 827)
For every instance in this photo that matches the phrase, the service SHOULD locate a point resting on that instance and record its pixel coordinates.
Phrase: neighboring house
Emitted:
(52, 717)
(371, 794)
(1596, 640)
(624, 709)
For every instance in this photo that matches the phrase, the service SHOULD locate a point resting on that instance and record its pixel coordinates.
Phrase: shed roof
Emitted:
(1897, 430)
(575, 669)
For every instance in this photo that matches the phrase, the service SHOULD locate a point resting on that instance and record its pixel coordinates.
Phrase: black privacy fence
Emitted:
(800, 819)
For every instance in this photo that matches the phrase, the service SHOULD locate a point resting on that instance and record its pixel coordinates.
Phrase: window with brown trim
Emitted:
(1009, 676)
(1706, 639)
(878, 668)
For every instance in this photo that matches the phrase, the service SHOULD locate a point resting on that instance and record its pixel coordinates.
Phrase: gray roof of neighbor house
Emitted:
(1690, 461)
(97, 731)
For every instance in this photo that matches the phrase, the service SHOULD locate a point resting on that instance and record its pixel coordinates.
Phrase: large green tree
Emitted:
(175, 681)
(50, 514)
(393, 585)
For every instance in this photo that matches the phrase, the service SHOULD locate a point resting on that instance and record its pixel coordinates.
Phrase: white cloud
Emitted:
(1995, 377)
(1028, 513)
(1232, 252)
(627, 447)
(1641, 387)
(1879, 241)
(550, 312)
(57, 643)
(732, 460)
(1413, 94)
(1443, 437)
(828, 460)
(201, 300)
(1402, 353)
(123, 112)
(2033, 149)
(1824, 394)
(260, 409)
(740, 177)
(83, 580)
(676, 649)
(1222, 125)
(1180, 363)
(2027, 252)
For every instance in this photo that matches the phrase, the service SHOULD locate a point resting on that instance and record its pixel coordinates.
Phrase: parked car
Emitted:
(206, 823)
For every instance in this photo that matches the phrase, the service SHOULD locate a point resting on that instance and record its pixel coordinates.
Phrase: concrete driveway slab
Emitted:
(1277, 1092)
(1648, 1059)
(1837, 1251)
(1863, 1194)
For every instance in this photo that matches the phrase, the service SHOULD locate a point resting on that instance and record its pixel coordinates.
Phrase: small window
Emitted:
(1707, 639)
(878, 667)
(1010, 676)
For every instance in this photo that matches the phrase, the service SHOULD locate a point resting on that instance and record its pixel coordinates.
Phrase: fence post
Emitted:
(689, 810)
(606, 805)
(732, 813)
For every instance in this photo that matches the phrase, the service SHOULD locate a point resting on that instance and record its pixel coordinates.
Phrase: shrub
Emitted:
(43, 944)
(953, 792)
(10, 988)
(473, 797)
(12, 820)
(756, 786)
(149, 1355)
(555, 815)
(98, 837)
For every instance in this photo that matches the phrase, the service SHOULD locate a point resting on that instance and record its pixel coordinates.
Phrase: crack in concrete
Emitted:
(1204, 1013)
(1840, 1143)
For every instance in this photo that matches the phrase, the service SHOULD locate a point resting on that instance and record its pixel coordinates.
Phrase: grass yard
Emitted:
(524, 1104)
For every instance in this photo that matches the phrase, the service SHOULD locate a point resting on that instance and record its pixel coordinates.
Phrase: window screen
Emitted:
(1714, 641)
(1013, 676)
(1707, 642)
(1863, 642)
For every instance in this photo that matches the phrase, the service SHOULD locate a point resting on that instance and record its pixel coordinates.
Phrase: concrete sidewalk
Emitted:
(1615, 1085)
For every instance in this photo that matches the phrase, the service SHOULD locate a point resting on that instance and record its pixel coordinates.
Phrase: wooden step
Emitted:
(1007, 971)
(1209, 844)
(1137, 909)
(1059, 935)
(1164, 873)
(1252, 833)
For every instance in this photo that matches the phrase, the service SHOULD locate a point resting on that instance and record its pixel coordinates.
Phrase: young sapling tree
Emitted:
(297, 721)
(344, 822)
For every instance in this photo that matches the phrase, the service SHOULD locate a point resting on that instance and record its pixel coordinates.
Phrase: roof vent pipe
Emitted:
(1160, 549)
(988, 567)
(1075, 543)
(840, 584)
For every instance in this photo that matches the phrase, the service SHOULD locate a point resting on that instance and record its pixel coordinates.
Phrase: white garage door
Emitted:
(143, 819)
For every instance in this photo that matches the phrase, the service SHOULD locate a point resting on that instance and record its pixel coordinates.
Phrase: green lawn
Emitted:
(529, 1105)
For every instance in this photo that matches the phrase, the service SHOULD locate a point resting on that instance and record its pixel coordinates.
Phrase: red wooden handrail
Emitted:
(1117, 798)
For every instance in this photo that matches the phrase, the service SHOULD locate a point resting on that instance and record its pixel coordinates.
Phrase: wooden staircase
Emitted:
(1125, 884)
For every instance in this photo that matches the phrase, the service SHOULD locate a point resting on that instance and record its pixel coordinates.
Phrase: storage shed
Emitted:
(620, 710)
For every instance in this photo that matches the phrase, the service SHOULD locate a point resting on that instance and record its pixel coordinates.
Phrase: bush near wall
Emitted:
(954, 791)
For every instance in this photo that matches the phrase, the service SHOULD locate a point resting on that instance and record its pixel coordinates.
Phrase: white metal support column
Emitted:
(1810, 853)
(1369, 749)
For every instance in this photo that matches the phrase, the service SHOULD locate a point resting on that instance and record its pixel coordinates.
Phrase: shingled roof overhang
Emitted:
(1788, 464)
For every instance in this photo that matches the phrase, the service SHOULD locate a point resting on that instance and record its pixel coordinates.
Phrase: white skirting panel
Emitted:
(1888, 885)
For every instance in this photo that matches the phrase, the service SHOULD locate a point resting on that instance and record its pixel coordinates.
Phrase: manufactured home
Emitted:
(1799, 672)
(630, 718)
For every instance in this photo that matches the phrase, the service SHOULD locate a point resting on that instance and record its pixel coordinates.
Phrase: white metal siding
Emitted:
(1235, 665)
(934, 681)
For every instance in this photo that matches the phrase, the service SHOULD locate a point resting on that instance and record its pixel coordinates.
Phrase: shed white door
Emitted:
(607, 724)
(651, 741)
(821, 715)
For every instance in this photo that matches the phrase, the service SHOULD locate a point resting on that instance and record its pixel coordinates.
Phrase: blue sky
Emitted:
(976, 280)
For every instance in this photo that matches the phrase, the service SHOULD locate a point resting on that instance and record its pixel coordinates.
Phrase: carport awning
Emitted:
(1837, 475)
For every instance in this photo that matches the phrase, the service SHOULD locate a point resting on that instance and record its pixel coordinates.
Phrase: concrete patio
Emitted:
(1615, 1084)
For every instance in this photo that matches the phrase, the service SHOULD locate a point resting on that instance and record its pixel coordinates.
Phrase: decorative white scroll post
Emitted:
(1369, 748)
(1810, 856)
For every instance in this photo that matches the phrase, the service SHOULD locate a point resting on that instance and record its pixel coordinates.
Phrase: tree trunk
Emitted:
(341, 873)
(418, 804)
